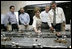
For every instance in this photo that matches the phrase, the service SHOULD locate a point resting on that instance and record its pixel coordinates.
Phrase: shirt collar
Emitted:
(55, 9)
(46, 12)
(23, 13)
(11, 12)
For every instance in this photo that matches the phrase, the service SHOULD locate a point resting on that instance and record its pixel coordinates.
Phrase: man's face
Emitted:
(47, 9)
(53, 6)
(12, 9)
(22, 10)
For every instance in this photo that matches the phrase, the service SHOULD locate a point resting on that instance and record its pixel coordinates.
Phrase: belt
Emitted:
(44, 22)
(57, 23)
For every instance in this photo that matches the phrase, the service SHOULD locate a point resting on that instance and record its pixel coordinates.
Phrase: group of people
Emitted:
(53, 16)
(10, 17)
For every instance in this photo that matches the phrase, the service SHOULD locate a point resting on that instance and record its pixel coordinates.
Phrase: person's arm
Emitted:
(6, 20)
(35, 29)
(49, 22)
(63, 16)
(28, 19)
(2, 18)
(21, 19)
(34, 25)
(41, 16)
(18, 23)
(18, 20)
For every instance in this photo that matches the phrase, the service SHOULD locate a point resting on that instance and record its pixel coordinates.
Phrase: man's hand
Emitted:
(18, 26)
(63, 26)
(64, 23)
(51, 28)
(39, 31)
(58, 34)
(7, 27)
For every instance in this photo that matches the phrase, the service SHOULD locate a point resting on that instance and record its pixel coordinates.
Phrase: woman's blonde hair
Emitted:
(36, 9)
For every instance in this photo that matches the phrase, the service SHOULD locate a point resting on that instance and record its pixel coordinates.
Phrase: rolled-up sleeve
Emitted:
(63, 15)
(49, 21)
(34, 23)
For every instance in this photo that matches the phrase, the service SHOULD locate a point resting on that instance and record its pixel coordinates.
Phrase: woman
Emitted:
(37, 21)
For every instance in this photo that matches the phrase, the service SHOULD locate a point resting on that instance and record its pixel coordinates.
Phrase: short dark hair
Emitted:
(11, 6)
(53, 2)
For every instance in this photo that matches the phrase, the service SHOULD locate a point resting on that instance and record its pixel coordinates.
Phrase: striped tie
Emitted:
(54, 18)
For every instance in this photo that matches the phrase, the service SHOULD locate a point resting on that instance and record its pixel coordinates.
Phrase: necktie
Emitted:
(54, 18)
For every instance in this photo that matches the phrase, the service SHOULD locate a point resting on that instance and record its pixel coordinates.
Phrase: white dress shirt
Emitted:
(2, 18)
(60, 17)
(36, 22)
(45, 17)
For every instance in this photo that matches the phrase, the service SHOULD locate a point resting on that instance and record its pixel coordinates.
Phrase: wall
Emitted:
(18, 4)
(6, 4)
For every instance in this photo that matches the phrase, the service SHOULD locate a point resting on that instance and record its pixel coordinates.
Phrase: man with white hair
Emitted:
(44, 15)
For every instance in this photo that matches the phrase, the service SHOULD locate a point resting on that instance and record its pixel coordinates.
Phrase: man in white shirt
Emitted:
(44, 15)
(3, 23)
(57, 17)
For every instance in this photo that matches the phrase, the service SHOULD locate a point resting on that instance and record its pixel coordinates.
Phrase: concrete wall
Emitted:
(6, 4)
(18, 4)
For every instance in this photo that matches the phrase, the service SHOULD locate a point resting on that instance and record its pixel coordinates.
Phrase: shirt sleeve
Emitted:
(2, 19)
(20, 18)
(63, 15)
(6, 19)
(41, 15)
(49, 21)
(28, 19)
(34, 22)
